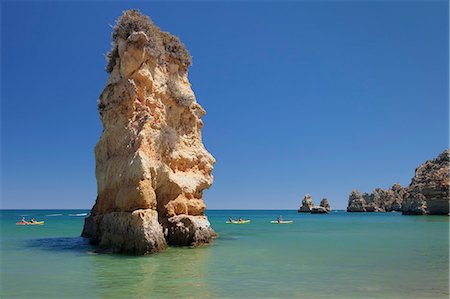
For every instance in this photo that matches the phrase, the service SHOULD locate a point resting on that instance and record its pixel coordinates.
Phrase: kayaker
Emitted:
(231, 219)
(24, 221)
(279, 219)
(32, 220)
(240, 219)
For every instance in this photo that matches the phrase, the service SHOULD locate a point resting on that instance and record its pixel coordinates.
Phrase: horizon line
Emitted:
(40, 209)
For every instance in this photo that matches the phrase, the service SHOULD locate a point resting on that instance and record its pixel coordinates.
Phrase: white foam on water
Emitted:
(53, 215)
(82, 214)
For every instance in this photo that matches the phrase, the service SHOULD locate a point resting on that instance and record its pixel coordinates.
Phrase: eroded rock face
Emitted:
(319, 210)
(398, 196)
(151, 164)
(356, 202)
(135, 233)
(374, 202)
(428, 192)
(325, 204)
(189, 230)
(307, 204)
(380, 200)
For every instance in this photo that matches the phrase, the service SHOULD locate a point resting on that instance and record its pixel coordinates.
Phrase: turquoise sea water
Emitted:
(339, 255)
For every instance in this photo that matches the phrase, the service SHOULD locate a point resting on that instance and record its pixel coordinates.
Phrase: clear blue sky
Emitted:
(301, 97)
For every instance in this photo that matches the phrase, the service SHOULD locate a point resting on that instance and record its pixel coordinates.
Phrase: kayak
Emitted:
(282, 222)
(29, 223)
(238, 222)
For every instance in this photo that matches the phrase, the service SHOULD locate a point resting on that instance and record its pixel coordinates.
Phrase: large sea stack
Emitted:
(324, 203)
(307, 204)
(151, 164)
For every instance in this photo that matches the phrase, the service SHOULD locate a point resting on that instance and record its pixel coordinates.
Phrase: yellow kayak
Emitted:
(238, 222)
(31, 223)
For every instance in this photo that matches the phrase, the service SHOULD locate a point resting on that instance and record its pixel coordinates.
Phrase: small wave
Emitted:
(81, 214)
(53, 215)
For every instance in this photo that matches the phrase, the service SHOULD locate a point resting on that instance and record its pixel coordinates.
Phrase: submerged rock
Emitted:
(428, 192)
(325, 204)
(307, 204)
(151, 164)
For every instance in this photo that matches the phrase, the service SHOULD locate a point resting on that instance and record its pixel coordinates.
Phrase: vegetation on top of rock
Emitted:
(161, 44)
(175, 49)
(133, 21)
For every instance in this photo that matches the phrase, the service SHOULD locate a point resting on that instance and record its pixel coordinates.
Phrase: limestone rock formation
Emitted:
(325, 204)
(356, 202)
(380, 200)
(318, 210)
(151, 164)
(398, 196)
(428, 192)
(307, 204)
(375, 200)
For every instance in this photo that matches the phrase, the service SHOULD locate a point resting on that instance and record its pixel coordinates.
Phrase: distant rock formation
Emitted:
(372, 201)
(318, 210)
(309, 207)
(380, 200)
(307, 204)
(151, 164)
(356, 202)
(398, 195)
(325, 204)
(428, 192)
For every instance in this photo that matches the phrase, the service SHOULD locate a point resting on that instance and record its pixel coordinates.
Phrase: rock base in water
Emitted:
(307, 204)
(185, 230)
(137, 232)
(319, 210)
(324, 203)
(427, 194)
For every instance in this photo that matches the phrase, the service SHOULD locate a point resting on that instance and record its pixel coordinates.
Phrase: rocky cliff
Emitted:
(428, 192)
(151, 164)
(380, 200)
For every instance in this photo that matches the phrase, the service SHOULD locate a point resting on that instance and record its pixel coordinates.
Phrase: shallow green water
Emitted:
(339, 255)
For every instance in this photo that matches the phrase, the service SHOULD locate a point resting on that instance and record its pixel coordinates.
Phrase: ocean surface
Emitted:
(339, 255)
